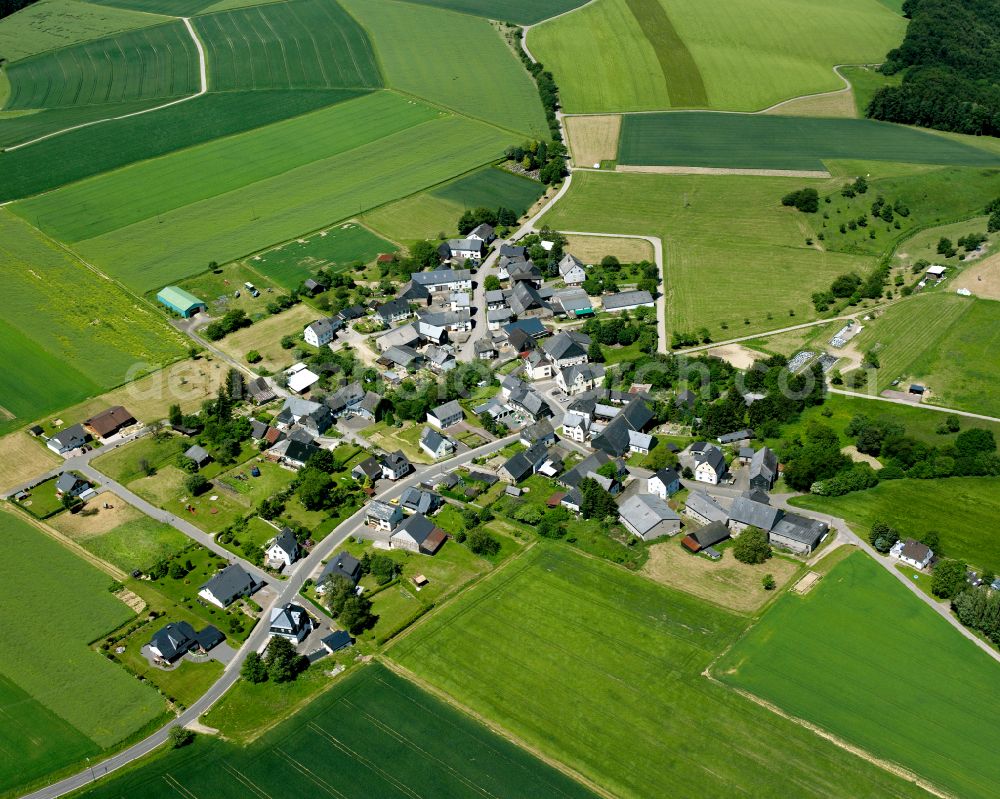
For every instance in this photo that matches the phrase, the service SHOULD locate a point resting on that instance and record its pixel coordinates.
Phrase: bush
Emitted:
(768, 582)
(180, 737)
(254, 357)
(482, 543)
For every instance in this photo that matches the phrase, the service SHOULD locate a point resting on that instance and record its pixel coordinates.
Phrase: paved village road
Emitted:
(287, 591)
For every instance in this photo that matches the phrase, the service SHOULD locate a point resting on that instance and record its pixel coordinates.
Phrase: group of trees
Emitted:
(353, 611)
(279, 663)
(603, 278)
(380, 566)
(950, 66)
(805, 200)
(471, 219)
(230, 322)
(813, 458)
(548, 92)
(620, 330)
(979, 608)
(596, 502)
(973, 453)
(548, 158)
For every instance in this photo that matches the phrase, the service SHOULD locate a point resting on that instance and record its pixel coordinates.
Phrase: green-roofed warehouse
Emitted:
(180, 301)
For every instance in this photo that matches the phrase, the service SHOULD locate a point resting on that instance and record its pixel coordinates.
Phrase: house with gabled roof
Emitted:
(572, 270)
(370, 467)
(484, 233)
(445, 415)
(109, 422)
(539, 431)
(664, 483)
(290, 621)
(627, 301)
(70, 485)
(282, 550)
(342, 565)
(321, 332)
(763, 469)
(648, 517)
(704, 509)
(382, 515)
(418, 500)
(521, 465)
(418, 534)
(580, 378)
(230, 584)
(438, 280)
(393, 311)
(67, 440)
(403, 336)
(705, 537)
(462, 250)
(746, 512)
(260, 391)
(395, 465)
(710, 463)
(436, 444)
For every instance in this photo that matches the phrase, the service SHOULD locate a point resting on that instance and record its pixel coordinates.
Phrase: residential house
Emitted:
(704, 509)
(446, 415)
(282, 550)
(368, 407)
(109, 422)
(529, 403)
(393, 311)
(417, 500)
(576, 426)
(485, 349)
(588, 468)
(260, 391)
(484, 233)
(68, 440)
(912, 553)
(199, 455)
(440, 360)
(350, 313)
(616, 438)
(710, 464)
(439, 280)
(453, 321)
(70, 485)
(572, 500)
(172, 642)
(300, 378)
(648, 517)
(228, 585)
(320, 333)
(512, 251)
(414, 293)
(337, 640)
(498, 317)
(537, 366)
(342, 565)
(763, 469)
(318, 421)
(294, 453)
(578, 379)
(567, 348)
(495, 298)
(493, 408)
(521, 271)
(395, 465)
(459, 250)
(664, 484)
(639, 443)
(540, 431)
(705, 537)
(418, 534)
(382, 515)
(293, 410)
(522, 465)
(525, 301)
(627, 301)
(290, 621)
(435, 444)
(572, 270)
(370, 468)
(531, 327)
(459, 301)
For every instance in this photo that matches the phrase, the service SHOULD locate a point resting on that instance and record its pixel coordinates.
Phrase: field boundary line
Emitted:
(203, 75)
(886, 765)
(433, 690)
(714, 170)
(68, 543)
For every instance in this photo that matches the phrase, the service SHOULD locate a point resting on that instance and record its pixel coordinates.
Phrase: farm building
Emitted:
(627, 301)
(648, 517)
(707, 536)
(180, 301)
(108, 422)
(418, 534)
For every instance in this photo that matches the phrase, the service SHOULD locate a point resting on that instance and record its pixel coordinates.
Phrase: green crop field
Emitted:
(637, 55)
(137, 544)
(602, 670)
(916, 507)
(168, 246)
(372, 734)
(92, 150)
(160, 61)
(22, 126)
(492, 188)
(720, 234)
(336, 248)
(472, 71)
(156, 187)
(76, 697)
(59, 23)
(291, 45)
(760, 141)
(523, 12)
(56, 352)
(949, 343)
(421, 216)
(857, 678)
(174, 7)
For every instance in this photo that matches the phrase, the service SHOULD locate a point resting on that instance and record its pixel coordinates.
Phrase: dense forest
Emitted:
(950, 61)
(8, 7)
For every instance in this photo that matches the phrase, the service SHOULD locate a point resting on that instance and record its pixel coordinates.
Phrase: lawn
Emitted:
(190, 232)
(406, 438)
(273, 478)
(218, 287)
(371, 734)
(265, 337)
(755, 141)
(154, 62)
(923, 246)
(130, 462)
(949, 343)
(42, 500)
(523, 12)
(53, 24)
(916, 507)
(473, 70)
(76, 696)
(637, 55)
(23, 457)
(851, 680)
(492, 187)
(56, 352)
(337, 249)
(592, 655)
(117, 143)
(708, 271)
(166, 490)
(293, 45)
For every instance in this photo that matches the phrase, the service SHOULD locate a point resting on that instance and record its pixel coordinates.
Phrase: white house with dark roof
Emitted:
(69, 439)
(580, 378)
(709, 463)
(648, 517)
(230, 584)
(395, 465)
(320, 332)
(912, 553)
(572, 270)
(449, 280)
(290, 621)
(663, 484)
(382, 515)
(446, 415)
(282, 550)
(484, 233)
(436, 444)
(462, 250)
(567, 348)
(576, 426)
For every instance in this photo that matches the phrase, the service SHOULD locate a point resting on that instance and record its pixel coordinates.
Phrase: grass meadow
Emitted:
(371, 734)
(761, 141)
(57, 352)
(603, 670)
(160, 249)
(916, 507)
(292, 45)
(74, 689)
(857, 679)
(52, 24)
(159, 61)
(101, 148)
(473, 71)
(640, 55)
(721, 234)
(949, 343)
(491, 187)
(523, 12)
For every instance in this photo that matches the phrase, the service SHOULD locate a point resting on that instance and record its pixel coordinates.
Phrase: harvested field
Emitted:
(739, 356)
(726, 582)
(982, 279)
(591, 249)
(22, 458)
(833, 104)
(593, 139)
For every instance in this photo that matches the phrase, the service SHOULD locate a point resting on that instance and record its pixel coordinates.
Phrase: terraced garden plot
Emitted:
(756, 141)
(570, 628)
(83, 700)
(83, 153)
(155, 62)
(850, 680)
(637, 55)
(161, 249)
(473, 71)
(50, 24)
(290, 45)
